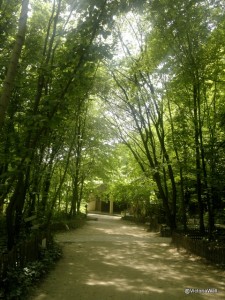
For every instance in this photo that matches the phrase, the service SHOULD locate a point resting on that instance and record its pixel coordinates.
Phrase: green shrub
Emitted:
(17, 282)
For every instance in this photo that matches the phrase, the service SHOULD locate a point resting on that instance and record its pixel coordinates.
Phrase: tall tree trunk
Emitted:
(210, 191)
(183, 206)
(81, 193)
(147, 139)
(198, 160)
(62, 180)
(13, 64)
(44, 199)
(14, 211)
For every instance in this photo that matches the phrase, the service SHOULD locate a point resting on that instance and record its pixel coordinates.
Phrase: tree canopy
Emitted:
(128, 95)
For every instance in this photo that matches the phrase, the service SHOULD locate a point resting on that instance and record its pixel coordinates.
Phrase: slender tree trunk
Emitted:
(80, 194)
(198, 160)
(46, 188)
(147, 139)
(62, 180)
(14, 211)
(209, 181)
(183, 207)
(13, 64)
(75, 198)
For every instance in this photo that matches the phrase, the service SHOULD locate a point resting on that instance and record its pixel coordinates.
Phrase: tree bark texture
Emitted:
(13, 64)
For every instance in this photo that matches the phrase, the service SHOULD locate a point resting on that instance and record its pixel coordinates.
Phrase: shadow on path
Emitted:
(110, 259)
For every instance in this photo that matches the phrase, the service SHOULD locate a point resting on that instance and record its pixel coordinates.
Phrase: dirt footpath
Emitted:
(111, 259)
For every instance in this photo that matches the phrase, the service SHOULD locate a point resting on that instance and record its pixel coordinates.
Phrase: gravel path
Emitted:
(111, 259)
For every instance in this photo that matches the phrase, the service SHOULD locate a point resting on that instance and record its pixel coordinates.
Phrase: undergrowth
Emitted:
(17, 282)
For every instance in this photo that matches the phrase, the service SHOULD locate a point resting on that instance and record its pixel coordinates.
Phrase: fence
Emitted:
(21, 254)
(210, 251)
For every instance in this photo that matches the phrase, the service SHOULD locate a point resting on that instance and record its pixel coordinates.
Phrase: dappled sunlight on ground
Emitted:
(124, 285)
(109, 260)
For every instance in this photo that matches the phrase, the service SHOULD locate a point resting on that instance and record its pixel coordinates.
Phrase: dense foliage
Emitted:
(167, 105)
(128, 95)
(18, 281)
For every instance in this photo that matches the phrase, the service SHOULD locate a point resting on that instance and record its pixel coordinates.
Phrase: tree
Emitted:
(13, 64)
(163, 97)
(55, 73)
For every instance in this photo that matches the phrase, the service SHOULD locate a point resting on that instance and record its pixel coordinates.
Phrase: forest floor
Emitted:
(112, 259)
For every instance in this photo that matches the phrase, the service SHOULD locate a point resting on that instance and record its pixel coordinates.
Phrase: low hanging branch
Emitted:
(13, 64)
